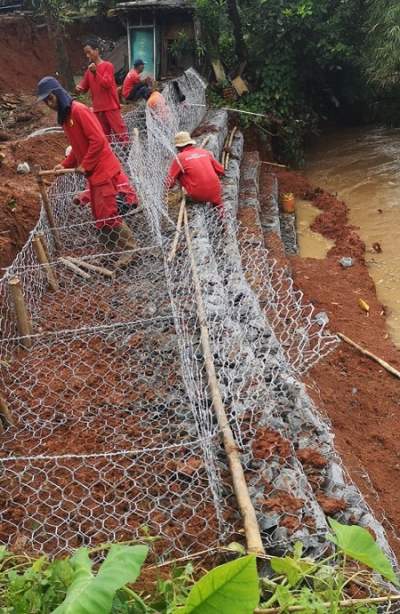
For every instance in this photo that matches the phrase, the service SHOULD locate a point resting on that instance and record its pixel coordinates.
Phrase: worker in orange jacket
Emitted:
(197, 171)
(99, 79)
(92, 155)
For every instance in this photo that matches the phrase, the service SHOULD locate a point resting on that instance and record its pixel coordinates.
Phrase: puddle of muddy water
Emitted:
(363, 167)
(311, 244)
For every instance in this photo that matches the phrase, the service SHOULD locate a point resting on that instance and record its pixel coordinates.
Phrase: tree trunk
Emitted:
(64, 67)
(234, 16)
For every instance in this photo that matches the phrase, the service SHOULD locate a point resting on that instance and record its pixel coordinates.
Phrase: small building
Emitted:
(162, 33)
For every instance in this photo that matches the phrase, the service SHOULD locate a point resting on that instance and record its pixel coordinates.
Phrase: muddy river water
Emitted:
(363, 167)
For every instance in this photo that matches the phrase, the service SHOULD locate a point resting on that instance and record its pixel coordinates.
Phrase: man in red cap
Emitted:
(197, 171)
(100, 81)
(92, 155)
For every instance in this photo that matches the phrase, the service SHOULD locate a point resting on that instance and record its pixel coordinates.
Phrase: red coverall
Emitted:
(196, 170)
(92, 151)
(157, 104)
(131, 79)
(105, 100)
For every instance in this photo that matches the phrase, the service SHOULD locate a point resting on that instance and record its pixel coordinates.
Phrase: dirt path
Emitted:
(361, 399)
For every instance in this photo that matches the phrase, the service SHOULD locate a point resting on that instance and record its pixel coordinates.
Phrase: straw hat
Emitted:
(183, 138)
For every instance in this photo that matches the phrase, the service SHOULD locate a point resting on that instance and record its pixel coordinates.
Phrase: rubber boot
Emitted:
(125, 242)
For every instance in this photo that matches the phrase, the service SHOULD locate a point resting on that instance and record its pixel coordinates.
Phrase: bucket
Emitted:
(288, 202)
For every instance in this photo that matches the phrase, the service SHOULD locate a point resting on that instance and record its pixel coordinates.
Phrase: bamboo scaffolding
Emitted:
(5, 412)
(44, 261)
(73, 267)
(91, 267)
(252, 530)
(21, 312)
(381, 362)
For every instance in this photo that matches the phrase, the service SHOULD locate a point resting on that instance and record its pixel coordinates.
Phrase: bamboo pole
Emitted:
(273, 164)
(44, 261)
(381, 362)
(252, 531)
(171, 255)
(345, 603)
(73, 267)
(43, 241)
(229, 145)
(49, 211)
(5, 412)
(91, 267)
(23, 322)
(58, 171)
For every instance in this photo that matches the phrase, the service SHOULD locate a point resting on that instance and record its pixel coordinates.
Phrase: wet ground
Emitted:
(363, 167)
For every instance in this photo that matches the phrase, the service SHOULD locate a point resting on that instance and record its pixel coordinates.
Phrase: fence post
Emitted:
(43, 260)
(21, 312)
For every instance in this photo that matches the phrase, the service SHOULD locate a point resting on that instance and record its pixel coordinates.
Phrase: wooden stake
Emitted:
(230, 141)
(381, 362)
(49, 212)
(252, 530)
(91, 267)
(23, 322)
(43, 260)
(74, 268)
(43, 241)
(5, 413)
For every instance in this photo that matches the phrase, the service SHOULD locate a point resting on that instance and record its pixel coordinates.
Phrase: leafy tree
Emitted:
(382, 53)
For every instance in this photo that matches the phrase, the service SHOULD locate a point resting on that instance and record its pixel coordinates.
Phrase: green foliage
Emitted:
(300, 55)
(356, 543)
(94, 594)
(381, 57)
(76, 585)
(228, 589)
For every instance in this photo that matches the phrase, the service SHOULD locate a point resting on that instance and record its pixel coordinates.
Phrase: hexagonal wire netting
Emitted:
(114, 432)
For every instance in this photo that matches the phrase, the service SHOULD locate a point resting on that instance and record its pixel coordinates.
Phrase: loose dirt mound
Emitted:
(19, 199)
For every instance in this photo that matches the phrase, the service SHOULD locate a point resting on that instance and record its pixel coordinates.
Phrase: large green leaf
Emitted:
(89, 594)
(293, 569)
(231, 588)
(359, 545)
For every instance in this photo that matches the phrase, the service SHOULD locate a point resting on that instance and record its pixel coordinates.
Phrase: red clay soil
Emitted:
(361, 398)
(19, 199)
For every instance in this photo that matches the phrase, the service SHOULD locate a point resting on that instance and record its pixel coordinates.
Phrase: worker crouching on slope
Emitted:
(197, 171)
(92, 155)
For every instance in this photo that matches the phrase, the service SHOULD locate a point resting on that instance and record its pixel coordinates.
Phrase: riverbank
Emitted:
(360, 398)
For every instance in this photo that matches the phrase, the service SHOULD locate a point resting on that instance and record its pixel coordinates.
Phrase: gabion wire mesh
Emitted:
(115, 433)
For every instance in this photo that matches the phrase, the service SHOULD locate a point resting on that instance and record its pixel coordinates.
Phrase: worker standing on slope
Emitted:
(134, 87)
(100, 81)
(92, 155)
(197, 171)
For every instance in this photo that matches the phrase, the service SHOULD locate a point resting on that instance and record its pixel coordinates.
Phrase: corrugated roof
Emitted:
(156, 4)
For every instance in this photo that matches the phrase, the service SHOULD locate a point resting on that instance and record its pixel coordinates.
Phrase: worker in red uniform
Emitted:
(100, 81)
(134, 87)
(92, 155)
(157, 103)
(197, 171)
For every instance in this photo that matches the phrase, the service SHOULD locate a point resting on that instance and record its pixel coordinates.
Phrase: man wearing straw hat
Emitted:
(197, 171)
(92, 155)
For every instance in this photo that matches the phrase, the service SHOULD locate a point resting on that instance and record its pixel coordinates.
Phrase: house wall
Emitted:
(170, 26)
